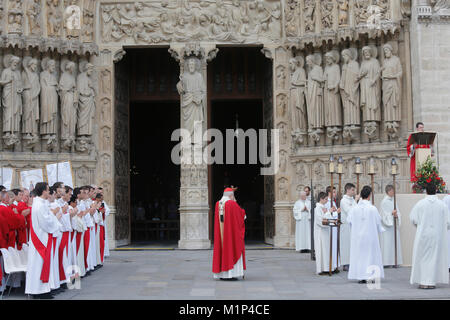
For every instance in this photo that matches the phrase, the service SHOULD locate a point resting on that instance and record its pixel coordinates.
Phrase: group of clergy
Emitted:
(64, 228)
(367, 241)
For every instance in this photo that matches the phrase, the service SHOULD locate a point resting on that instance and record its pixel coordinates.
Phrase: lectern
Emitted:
(422, 139)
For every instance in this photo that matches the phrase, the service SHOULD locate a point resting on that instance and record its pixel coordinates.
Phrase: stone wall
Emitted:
(430, 53)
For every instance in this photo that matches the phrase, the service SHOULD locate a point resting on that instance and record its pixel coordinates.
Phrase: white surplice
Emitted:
(107, 212)
(387, 239)
(447, 202)
(302, 225)
(57, 234)
(322, 240)
(79, 226)
(365, 251)
(43, 223)
(347, 203)
(430, 253)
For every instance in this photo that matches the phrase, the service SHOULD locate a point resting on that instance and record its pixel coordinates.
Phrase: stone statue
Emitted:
(332, 99)
(343, 12)
(54, 18)
(86, 100)
(314, 96)
(349, 87)
(49, 98)
(391, 75)
(11, 99)
(69, 104)
(30, 94)
(309, 14)
(192, 90)
(34, 17)
(72, 20)
(370, 85)
(297, 99)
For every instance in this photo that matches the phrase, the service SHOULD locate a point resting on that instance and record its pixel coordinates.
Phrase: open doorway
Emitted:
(250, 193)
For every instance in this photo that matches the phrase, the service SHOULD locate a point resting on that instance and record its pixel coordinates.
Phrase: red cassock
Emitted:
(22, 231)
(14, 222)
(224, 258)
(412, 166)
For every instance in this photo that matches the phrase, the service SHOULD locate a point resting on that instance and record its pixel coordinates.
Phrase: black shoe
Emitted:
(336, 271)
(229, 279)
(362, 281)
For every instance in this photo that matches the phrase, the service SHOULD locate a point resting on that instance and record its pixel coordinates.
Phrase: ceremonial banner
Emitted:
(60, 172)
(6, 177)
(29, 178)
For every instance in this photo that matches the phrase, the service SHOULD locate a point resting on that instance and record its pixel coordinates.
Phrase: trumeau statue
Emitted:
(86, 99)
(11, 99)
(69, 103)
(349, 86)
(30, 95)
(314, 97)
(332, 100)
(391, 75)
(49, 98)
(370, 84)
(192, 90)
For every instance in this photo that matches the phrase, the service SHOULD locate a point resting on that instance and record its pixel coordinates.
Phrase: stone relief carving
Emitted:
(105, 81)
(309, 15)
(105, 110)
(69, 104)
(291, 18)
(54, 18)
(439, 5)
(170, 21)
(11, 99)
(332, 99)
(30, 95)
(391, 75)
(281, 77)
(15, 17)
(343, 16)
(105, 139)
(283, 189)
(327, 7)
(33, 13)
(72, 19)
(281, 105)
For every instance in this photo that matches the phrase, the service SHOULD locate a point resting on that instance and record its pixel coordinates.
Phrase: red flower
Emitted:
(429, 180)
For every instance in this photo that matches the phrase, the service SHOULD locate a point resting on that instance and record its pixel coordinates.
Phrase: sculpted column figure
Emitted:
(192, 90)
(314, 96)
(31, 90)
(332, 100)
(391, 75)
(11, 99)
(349, 86)
(297, 99)
(69, 103)
(86, 105)
(49, 102)
(370, 84)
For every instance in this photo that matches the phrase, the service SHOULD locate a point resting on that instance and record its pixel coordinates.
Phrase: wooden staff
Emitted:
(395, 225)
(338, 205)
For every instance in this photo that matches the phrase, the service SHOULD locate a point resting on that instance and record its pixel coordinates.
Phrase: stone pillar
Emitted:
(194, 205)
(284, 221)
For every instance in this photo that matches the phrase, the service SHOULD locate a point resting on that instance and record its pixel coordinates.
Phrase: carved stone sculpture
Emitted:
(69, 104)
(49, 101)
(327, 14)
(343, 7)
(391, 75)
(297, 99)
(440, 5)
(11, 99)
(192, 90)
(34, 17)
(30, 94)
(72, 20)
(86, 100)
(314, 97)
(349, 87)
(310, 15)
(332, 99)
(15, 17)
(370, 85)
(54, 18)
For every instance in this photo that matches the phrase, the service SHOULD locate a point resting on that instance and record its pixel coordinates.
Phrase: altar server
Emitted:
(302, 216)
(348, 202)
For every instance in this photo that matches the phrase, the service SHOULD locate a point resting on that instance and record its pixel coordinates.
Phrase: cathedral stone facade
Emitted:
(347, 77)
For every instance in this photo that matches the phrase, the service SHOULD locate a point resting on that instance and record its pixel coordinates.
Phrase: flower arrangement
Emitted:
(427, 173)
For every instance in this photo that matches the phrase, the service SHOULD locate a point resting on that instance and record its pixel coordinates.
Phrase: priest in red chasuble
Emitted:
(411, 149)
(229, 246)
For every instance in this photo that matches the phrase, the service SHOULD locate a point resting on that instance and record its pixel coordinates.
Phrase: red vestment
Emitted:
(14, 222)
(412, 166)
(22, 231)
(224, 258)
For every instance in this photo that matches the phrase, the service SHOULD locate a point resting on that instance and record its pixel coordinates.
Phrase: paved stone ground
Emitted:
(271, 274)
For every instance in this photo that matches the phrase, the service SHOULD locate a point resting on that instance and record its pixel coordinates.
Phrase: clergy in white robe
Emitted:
(347, 203)
(42, 227)
(322, 236)
(54, 207)
(365, 251)
(107, 212)
(430, 251)
(387, 238)
(302, 216)
(65, 248)
(447, 202)
(79, 226)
